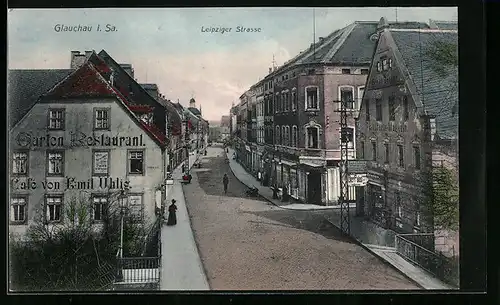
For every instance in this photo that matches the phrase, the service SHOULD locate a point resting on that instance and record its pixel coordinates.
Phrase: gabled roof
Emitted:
(149, 86)
(24, 88)
(87, 81)
(437, 90)
(443, 25)
(194, 110)
(174, 119)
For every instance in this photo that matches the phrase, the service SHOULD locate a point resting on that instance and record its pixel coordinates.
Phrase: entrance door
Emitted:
(314, 187)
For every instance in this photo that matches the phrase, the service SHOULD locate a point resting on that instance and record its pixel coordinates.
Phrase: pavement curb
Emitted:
(192, 232)
(267, 199)
(383, 260)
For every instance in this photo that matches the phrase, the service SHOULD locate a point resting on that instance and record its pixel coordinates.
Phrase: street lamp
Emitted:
(122, 197)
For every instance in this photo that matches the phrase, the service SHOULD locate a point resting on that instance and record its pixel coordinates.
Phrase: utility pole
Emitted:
(345, 135)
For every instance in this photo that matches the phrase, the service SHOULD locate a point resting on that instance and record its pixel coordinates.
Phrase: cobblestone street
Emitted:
(248, 244)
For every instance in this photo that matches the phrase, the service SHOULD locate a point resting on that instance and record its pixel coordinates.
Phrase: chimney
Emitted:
(77, 59)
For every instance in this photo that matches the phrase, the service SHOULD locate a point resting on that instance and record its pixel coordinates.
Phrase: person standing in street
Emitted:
(172, 218)
(225, 181)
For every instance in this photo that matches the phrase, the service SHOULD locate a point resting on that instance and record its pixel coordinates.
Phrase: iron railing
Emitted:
(139, 269)
(437, 264)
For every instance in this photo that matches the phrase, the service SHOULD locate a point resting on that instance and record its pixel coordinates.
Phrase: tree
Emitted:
(443, 56)
(73, 255)
(441, 195)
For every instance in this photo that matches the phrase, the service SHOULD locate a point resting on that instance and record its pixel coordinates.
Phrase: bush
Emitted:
(73, 255)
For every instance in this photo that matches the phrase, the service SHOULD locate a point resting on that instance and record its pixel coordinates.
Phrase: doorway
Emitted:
(314, 187)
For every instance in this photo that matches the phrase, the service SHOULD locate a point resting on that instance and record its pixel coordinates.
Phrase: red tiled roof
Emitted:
(86, 81)
(81, 83)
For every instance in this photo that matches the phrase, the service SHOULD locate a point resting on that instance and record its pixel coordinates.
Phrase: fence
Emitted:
(437, 264)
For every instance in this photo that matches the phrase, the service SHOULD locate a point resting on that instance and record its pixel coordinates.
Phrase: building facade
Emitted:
(408, 126)
(86, 141)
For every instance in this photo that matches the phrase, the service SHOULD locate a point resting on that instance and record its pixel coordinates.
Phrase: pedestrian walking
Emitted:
(225, 181)
(183, 168)
(172, 218)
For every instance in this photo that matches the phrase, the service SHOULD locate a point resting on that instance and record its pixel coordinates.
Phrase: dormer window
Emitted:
(379, 66)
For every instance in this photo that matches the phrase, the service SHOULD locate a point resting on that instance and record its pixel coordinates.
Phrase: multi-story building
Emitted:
(225, 125)
(302, 96)
(408, 124)
(243, 151)
(90, 138)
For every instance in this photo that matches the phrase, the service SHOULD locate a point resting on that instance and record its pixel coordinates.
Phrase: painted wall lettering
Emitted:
(77, 138)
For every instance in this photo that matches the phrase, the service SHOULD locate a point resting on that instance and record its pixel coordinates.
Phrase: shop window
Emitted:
(312, 137)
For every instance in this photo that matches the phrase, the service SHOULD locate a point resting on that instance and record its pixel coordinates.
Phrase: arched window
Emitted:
(295, 136)
(312, 137)
(277, 139)
(283, 135)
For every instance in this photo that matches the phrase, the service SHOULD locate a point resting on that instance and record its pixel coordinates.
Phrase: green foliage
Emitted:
(443, 56)
(73, 255)
(443, 198)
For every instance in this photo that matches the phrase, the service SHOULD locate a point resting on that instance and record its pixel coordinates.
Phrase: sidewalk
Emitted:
(181, 265)
(267, 192)
(377, 240)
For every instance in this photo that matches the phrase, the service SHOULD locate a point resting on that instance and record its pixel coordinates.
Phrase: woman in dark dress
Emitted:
(172, 218)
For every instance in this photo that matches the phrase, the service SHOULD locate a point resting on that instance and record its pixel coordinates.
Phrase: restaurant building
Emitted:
(84, 135)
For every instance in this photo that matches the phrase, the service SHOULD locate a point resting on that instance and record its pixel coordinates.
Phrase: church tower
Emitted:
(192, 103)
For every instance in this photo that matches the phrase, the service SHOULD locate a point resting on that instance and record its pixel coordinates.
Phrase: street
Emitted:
(249, 244)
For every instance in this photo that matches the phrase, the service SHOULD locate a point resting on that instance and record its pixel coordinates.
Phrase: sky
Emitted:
(168, 46)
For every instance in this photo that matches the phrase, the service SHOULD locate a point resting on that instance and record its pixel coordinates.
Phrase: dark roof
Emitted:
(443, 25)
(24, 87)
(149, 86)
(174, 118)
(438, 90)
(357, 47)
(408, 25)
(194, 110)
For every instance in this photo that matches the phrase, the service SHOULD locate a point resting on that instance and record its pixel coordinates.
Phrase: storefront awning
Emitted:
(311, 164)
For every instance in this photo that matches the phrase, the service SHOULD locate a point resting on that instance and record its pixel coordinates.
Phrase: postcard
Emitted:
(241, 149)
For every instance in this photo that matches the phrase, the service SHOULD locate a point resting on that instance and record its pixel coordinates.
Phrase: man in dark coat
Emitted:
(225, 181)
(172, 218)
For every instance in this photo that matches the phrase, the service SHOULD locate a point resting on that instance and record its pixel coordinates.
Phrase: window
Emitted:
(283, 136)
(56, 119)
(294, 100)
(406, 113)
(20, 163)
(392, 108)
(386, 147)
(277, 102)
(398, 205)
(390, 62)
(135, 207)
(361, 91)
(347, 136)
(346, 71)
(364, 71)
(53, 208)
(417, 219)
(312, 137)
(286, 101)
(378, 109)
(278, 136)
(347, 94)
(100, 163)
(374, 151)
(136, 162)
(101, 118)
(401, 155)
(379, 66)
(18, 209)
(367, 110)
(361, 150)
(312, 98)
(416, 154)
(385, 64)
(55, 160)
(294, 136)
(99, 207)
